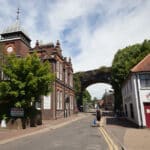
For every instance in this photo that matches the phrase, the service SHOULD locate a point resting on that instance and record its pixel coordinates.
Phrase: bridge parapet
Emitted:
(96, 76)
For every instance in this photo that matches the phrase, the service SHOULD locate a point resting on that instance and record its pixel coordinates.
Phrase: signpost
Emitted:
(17, 112)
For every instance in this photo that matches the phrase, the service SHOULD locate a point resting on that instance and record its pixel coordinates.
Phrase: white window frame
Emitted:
(61, 71)
(59, 100)
(66, 76)
(144, 83)
(71, 102)
(71, 80)
(47, 102)
(57, 69)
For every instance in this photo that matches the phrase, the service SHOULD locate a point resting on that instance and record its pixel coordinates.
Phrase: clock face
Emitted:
(9, 49)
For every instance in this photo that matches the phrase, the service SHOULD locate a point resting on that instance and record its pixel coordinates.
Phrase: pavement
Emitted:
(126, 134)
(8, 135)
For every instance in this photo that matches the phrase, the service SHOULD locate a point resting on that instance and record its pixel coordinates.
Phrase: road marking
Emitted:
(111, 144)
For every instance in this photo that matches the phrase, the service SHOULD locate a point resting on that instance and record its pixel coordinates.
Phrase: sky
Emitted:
(90, 31)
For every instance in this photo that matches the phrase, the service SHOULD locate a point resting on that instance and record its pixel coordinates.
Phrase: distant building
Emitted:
(108, 103)
(99, 103)
(61, 102)
(136, 94)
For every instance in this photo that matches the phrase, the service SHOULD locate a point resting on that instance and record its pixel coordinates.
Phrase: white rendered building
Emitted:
(136, 94)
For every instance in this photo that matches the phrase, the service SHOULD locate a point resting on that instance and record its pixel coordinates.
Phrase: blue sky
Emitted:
(90, 31)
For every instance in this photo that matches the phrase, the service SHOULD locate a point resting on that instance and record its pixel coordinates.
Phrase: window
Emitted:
(38, 105)
(71, 80)
(131, 111)
(47, 102)
(66, 76)
(61, 71)
(145, 80)
(59, 100)
(57, 69)
(126, 111)
(3, 76)
(71, 102)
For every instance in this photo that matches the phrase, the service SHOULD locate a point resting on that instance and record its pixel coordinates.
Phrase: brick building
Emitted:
(60, 103)
(108, 100)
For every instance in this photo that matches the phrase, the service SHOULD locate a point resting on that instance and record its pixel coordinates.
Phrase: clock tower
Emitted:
(15, 40)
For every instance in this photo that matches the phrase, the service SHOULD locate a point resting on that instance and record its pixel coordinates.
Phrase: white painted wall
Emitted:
(133, 93)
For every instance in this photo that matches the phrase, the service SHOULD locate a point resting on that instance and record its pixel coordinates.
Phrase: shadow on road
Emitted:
(118, 121)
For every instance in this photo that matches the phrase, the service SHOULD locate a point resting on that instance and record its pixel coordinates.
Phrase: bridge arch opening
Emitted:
(97, 90)
(102, 94)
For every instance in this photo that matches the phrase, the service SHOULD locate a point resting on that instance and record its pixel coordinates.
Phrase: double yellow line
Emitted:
(111, 144)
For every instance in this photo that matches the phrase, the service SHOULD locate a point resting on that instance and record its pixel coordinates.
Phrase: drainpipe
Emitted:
(138, 96)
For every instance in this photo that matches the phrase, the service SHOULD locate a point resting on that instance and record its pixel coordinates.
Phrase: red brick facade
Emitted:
(60, 103)
(62, 97)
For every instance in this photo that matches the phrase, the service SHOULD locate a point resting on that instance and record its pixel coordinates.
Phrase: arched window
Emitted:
(66, 76)
(61, 71)
(71, 102)
(57, 69)
(59, 100)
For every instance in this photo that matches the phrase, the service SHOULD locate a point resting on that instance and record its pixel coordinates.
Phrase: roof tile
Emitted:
(143, 65)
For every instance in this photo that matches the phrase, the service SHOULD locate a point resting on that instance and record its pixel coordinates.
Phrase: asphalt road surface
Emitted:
(78, 135)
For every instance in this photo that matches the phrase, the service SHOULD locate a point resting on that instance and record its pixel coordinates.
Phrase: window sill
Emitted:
(148, 88)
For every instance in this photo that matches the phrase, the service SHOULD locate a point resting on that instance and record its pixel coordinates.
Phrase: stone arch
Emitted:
(101, 75)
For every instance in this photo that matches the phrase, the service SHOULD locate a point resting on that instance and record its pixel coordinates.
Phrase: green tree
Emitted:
(26, 79)
(86, 97)
(77, 86)
(123, 61)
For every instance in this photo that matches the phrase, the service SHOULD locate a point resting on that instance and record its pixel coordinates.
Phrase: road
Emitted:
(78, 135)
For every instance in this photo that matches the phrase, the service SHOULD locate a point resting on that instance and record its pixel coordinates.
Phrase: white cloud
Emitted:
(98, 28)
(99, 47)
(97, 90)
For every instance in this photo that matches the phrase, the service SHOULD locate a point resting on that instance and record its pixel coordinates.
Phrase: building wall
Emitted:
(143, 93)
(109, 101)
(129, 94)
(20, 48)
(47, 107)
(132, 93)
(62, 87)
(61, 67)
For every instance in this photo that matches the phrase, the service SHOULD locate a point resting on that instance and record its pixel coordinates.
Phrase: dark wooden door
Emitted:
(147, 114)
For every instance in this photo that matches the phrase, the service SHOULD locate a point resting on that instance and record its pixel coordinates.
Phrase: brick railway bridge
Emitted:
(101, 75)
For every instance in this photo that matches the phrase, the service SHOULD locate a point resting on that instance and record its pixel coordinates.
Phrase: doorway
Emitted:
(147, 114)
